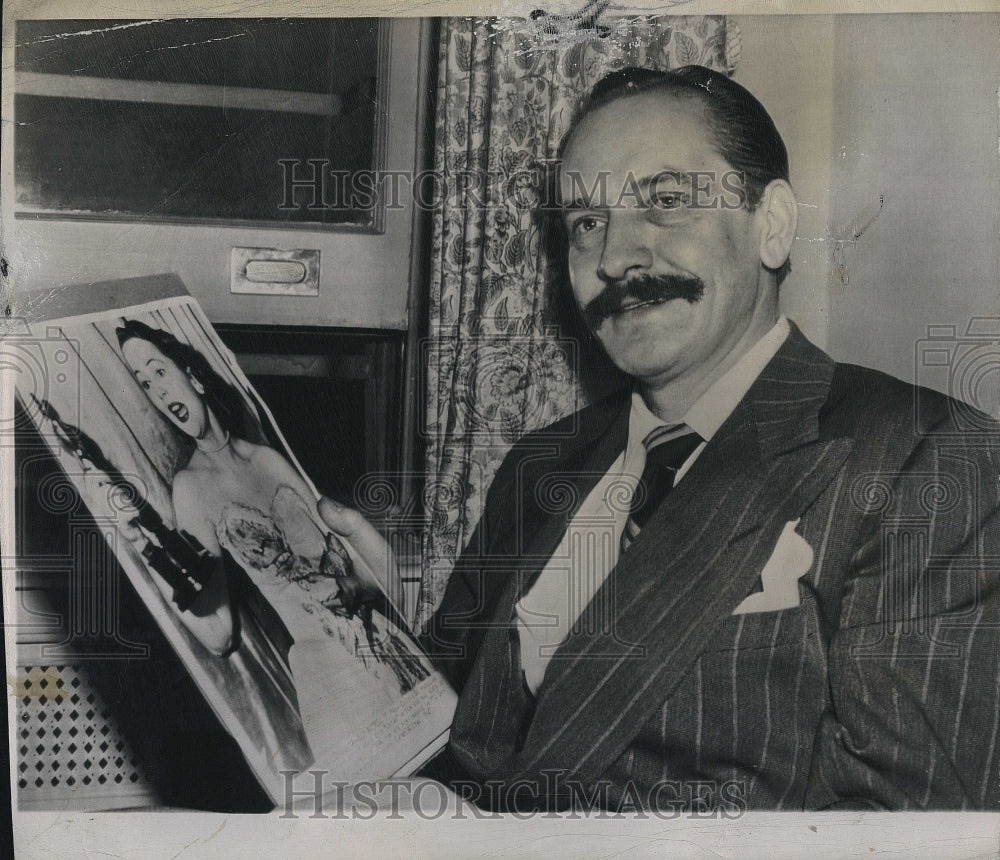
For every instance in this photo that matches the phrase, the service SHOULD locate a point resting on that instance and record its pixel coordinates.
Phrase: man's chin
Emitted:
(645, 363)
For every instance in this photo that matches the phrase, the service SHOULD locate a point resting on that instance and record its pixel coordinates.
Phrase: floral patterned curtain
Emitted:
(506, 94)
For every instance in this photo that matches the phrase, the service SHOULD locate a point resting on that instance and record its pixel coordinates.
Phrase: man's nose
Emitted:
(625, 250)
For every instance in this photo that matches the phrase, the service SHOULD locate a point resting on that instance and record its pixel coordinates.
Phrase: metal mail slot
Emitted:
(271, 271)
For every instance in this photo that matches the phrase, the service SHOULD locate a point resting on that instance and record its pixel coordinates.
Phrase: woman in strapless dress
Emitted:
(250, 509)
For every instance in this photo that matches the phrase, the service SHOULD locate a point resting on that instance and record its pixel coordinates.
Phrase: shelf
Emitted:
(189, 95)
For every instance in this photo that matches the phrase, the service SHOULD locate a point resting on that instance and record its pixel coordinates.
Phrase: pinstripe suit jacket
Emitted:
(882, 688)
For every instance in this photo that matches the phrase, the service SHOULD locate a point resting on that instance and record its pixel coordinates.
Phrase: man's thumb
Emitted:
(343, 520)
(369, 544)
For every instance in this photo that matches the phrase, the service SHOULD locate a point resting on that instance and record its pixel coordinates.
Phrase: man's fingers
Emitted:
(362, 535)
(367, 542)
(346, 522)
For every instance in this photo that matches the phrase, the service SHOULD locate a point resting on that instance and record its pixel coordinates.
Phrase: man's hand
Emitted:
(373, 559)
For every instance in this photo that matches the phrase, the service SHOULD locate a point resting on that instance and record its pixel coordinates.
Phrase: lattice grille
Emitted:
(69, 746)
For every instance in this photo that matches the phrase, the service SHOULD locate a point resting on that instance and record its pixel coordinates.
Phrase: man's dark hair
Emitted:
(219, 395)
(741, 130)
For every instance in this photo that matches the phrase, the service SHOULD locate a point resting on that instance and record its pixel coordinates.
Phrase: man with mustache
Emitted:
(777, 583)
(641, 289)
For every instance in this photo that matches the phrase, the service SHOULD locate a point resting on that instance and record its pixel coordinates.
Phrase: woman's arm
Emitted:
(209, 618)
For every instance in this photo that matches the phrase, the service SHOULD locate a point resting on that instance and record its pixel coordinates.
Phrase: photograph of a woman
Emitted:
(244, 502)
(291, 637)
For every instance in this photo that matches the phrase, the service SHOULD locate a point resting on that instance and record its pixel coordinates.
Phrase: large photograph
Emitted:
(294, 643)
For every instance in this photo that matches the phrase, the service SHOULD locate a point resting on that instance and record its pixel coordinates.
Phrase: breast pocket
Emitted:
(764, 629)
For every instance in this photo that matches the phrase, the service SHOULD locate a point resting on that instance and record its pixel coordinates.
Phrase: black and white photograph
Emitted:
(297, 647)
(577, 421)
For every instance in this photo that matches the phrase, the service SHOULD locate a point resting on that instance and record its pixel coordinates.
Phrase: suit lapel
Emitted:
(494, 707)
(583, 461)
(698, 557)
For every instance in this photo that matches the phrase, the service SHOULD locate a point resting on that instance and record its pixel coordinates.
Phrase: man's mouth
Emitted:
(626, 296)
(634, 305)
(179, 411)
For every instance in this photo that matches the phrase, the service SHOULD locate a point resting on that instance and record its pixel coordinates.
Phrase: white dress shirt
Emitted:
(591, 545)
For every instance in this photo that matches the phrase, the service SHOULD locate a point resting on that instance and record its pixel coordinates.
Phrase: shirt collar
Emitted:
(710, 411)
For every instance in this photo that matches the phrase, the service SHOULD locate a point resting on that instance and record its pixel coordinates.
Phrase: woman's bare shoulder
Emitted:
(260, 455)
(272, 462)
(264, 460)
(187, 481)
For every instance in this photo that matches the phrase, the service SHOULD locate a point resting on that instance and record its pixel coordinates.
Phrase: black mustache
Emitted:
(643, 288)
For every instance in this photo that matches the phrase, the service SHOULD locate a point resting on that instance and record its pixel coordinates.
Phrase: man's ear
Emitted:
(778, 214)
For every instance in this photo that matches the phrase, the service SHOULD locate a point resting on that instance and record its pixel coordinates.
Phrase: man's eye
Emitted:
(145, 385)
(670, 201)
(160, 371)
(585, 228)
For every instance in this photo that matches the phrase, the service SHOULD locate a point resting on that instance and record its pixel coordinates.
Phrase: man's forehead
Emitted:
(630, 116)
(639, 136)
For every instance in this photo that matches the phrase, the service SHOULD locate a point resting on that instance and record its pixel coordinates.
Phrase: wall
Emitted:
(902, 108)
(787, 62)
(915, 99)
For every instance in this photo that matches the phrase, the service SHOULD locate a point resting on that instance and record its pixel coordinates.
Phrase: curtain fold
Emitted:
(494, 369)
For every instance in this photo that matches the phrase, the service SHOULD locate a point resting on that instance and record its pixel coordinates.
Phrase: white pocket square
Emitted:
(791, 558)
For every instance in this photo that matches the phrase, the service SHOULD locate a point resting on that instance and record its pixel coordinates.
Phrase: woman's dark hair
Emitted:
(741, 130)
(224, 400)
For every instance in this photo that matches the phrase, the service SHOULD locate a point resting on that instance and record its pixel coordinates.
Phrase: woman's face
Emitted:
(170, 388)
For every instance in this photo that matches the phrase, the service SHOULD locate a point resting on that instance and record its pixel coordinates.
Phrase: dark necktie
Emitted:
(665, 454)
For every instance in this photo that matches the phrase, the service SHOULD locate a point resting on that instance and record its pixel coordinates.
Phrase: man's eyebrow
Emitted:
(576, 205)
(643, 184)
(646, 182)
